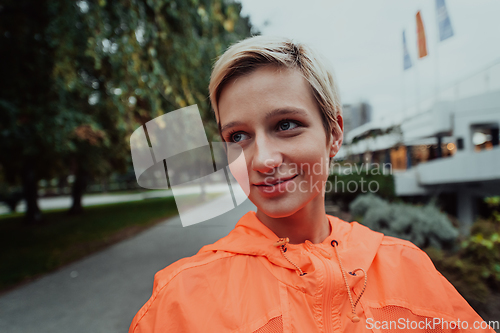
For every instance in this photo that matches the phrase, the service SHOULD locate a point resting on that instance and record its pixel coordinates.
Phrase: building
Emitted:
(452, 147)
(355, 115)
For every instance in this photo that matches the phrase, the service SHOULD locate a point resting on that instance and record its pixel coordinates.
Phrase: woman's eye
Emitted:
(287, 125)
(237, 137)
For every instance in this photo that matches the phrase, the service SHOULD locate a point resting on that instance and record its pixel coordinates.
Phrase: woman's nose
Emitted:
(266, 157)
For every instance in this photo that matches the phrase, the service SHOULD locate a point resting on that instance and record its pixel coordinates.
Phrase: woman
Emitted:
(289, 267)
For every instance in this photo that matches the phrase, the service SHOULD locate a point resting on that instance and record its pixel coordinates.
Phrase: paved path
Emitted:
(99, 199)
(102, 293)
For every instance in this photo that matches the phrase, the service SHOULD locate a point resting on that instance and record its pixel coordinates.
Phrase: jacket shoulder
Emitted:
(408, 254)
(205, 291)
(393, 241)
(385, 240)
(358, 234)
(196, 262)
(173, 292)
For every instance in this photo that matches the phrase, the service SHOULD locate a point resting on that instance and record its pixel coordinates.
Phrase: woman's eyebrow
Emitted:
(270, 114)
(231, 124)
(285, 111)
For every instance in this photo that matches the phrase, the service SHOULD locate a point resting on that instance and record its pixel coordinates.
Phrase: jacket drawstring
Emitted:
(353, 316)
(281, 243)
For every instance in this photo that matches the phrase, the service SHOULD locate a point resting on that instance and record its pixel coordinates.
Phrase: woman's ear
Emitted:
(337, 135)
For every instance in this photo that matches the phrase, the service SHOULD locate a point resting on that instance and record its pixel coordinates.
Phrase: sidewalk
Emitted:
(99, 199)
(102, 293)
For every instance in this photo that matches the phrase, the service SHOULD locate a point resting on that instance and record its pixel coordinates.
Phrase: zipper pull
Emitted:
(353, 316)
(282, 241)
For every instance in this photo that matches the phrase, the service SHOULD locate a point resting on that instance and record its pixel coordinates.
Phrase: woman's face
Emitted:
(272, 114)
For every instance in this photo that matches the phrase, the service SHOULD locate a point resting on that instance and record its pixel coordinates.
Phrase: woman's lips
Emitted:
(275, 186)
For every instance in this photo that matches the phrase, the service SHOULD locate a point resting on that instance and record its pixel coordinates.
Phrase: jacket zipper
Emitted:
(328, 299)
(327, 304)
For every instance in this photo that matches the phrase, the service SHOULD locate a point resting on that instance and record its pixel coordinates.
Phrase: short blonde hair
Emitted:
(255, 52)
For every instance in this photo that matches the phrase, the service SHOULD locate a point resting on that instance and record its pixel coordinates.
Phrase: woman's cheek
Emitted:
(238, 168)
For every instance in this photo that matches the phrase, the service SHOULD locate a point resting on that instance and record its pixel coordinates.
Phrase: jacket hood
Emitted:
(357, 245)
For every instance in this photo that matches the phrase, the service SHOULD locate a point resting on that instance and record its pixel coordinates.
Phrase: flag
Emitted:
(422, 44)
(444, 23)
(406, 60)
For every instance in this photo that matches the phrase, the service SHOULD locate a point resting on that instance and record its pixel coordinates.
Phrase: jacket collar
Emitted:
(358, 245)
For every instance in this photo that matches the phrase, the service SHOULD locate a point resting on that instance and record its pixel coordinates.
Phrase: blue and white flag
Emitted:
(444, 23)
(407, 59)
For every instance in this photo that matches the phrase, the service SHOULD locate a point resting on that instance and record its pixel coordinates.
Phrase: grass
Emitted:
(27, 252)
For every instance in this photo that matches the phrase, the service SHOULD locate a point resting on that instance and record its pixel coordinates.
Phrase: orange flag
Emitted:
(422, 44)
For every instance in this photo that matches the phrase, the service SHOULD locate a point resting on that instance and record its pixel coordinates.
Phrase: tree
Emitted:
(154, 57)
(32, 126)
(158, 55)
(83, 75)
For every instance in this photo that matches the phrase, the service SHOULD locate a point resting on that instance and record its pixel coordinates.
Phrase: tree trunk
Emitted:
(77, 191)
(30, 193)
(62, 184)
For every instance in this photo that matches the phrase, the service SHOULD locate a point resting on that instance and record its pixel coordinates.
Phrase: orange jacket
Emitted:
(245, 282)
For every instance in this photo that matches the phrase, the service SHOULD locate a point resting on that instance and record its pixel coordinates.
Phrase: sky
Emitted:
(362, 39)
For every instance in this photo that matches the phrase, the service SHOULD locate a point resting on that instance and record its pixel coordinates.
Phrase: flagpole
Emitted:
(417, 87)
(405, 67)
(403, 99)
(436, 61)
(417, 92)
(407, 64)
(445, 31)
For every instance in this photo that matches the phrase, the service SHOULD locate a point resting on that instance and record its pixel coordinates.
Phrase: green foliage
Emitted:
(344, 187)
(424, 226)
(494, 202)
(32, 127)
(483, 248)
(363, 203)
(152, 57)
(80, 76)
(475, 269)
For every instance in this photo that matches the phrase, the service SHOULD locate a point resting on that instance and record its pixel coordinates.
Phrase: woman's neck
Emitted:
(308, 223)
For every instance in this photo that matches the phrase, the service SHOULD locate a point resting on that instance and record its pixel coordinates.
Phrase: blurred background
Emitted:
(420, 87)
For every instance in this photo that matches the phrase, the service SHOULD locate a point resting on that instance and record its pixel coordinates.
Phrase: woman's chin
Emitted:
(288, 204)
(277, 210)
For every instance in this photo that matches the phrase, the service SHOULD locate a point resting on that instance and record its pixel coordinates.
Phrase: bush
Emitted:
(483, 249)
(343, 188)
(483, 246)
(423, 226)
(363, 203)
(475, 269)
